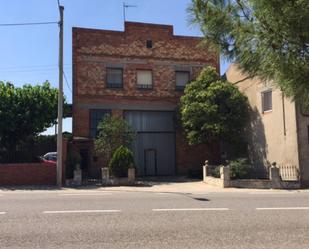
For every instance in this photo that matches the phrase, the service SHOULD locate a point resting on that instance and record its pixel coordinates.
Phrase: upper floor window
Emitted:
(96, 116)
(267, 104)
(114, 77)
(144, 79)
(182, 78)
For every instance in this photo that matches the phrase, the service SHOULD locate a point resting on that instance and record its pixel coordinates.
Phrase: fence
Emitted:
(289, 172)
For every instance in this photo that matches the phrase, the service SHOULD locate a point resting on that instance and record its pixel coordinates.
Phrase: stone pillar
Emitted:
(105, 175)
(77, 178)
(205, 170)
(225, 176)
(274, 176)
(131, 175)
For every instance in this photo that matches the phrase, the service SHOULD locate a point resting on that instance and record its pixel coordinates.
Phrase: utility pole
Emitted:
(60, 101)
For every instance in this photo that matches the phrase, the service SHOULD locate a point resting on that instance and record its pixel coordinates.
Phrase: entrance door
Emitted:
(154, 146)
(150, 156)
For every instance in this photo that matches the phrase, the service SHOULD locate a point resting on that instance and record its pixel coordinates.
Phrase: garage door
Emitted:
(154, 147)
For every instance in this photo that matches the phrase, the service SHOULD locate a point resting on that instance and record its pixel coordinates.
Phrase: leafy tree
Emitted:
(212, 109)
(25, 112)
(113, 132)
(267, 38)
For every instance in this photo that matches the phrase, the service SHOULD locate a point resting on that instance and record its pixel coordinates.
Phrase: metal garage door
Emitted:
(154, 147)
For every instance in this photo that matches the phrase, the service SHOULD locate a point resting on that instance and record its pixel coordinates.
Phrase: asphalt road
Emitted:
(120, 219)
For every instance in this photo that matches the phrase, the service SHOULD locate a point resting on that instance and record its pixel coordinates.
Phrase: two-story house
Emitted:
(139, 74)
(278, 130)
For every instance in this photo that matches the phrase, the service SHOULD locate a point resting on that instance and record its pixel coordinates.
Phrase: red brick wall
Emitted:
(190, 157)
(28, 174)
(95, 50)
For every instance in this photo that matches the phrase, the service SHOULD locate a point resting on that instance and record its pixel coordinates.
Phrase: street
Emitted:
(138, 219)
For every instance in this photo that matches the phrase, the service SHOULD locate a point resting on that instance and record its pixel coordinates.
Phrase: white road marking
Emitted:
(2, 212)
(188, 209)
(283, 208)
(82, 211)
(85, 194)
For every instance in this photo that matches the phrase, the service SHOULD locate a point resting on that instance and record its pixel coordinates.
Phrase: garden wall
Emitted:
(19, 174)
(27, 174)
(274, 181)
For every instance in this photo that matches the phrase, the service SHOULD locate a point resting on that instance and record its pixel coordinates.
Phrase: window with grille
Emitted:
(114, 77)
(144, 79)
(182, 78)
(267, 104)
(96, 116)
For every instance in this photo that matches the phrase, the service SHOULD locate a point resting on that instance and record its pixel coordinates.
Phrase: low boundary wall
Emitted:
(27, 174)
(224, 181)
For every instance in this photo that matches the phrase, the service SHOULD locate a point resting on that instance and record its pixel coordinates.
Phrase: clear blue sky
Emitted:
(29, 54)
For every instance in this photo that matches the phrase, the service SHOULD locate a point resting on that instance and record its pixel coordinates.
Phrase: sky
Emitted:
(29, 54)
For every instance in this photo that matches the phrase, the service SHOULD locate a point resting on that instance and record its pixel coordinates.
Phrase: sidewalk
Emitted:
(185, 186)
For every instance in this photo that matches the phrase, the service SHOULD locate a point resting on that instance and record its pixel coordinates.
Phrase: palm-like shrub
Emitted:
(121, 161)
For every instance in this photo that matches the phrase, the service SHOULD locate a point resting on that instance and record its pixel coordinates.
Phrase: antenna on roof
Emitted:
(125, 6)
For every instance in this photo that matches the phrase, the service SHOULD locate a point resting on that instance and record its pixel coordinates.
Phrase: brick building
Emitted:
(139, 74)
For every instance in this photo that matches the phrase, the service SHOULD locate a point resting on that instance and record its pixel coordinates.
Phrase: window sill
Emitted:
(268, 111)
(114, 88)
(179, 88)
(144, 87)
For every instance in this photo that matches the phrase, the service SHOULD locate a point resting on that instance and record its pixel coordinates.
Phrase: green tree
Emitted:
(113, 132)
(25, 112)
(213, 109)
(267, 38)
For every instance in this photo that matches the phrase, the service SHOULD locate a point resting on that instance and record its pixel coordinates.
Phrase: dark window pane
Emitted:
(96, 117)
(114, 77)
(182, 78)
(149, 44)
(266, 101)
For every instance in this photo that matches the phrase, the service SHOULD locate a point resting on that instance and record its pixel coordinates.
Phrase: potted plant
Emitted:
(121, 164)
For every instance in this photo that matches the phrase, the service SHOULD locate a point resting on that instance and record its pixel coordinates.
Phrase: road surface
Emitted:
(121, 219)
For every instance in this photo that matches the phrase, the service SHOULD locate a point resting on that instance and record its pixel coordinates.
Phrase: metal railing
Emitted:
(289, 172)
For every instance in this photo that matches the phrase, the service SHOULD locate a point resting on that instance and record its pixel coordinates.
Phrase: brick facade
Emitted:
(96, 50)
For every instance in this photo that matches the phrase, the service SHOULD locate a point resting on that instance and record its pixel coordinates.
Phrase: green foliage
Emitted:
(25, 112)
(267, 38)
(73, 162)
(216, 172)
(121, 161)
(240, 168)
(213, 109)
(113, 132)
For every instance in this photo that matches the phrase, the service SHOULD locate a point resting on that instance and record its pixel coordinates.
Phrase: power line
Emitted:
(67, 83)
(27, 23)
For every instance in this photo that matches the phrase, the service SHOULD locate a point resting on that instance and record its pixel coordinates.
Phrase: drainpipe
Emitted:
(283, 114)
